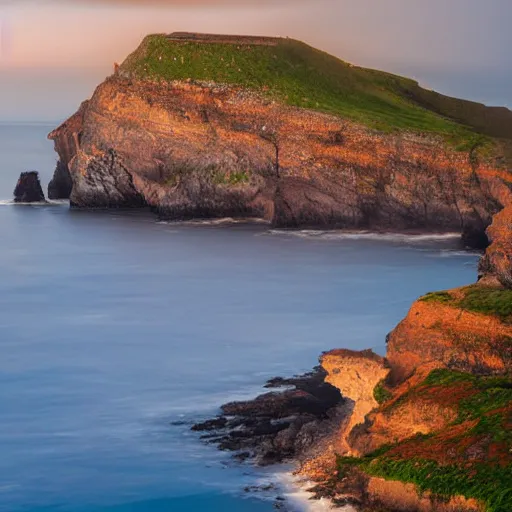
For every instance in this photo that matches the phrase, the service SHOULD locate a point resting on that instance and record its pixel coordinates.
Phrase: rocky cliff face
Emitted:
(202, 150)
(438, 332)
(497, 261)
(443, 421)
(67, 143)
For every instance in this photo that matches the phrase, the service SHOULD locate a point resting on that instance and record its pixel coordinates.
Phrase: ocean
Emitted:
(117, 332)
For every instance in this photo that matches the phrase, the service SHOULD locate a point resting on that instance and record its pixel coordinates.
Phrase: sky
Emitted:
(54, 52)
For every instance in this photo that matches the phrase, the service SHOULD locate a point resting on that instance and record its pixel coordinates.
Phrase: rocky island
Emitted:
(193, 125)
(28, 188)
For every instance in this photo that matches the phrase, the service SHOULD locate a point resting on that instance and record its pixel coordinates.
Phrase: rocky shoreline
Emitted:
(281, 425)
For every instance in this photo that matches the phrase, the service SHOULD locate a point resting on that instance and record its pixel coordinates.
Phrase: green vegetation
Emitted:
(231, 178)
(302, 76)
(490, 393)
(443, 297)
(444, 377)
(487, 483)
(479, 299)
(381, 394)
(425, 462)
(489, 301)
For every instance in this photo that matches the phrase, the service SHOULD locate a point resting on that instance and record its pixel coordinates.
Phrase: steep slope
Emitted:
(303, 76)
(197, 126)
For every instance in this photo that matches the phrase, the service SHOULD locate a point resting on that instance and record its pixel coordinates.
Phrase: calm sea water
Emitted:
(113, 326)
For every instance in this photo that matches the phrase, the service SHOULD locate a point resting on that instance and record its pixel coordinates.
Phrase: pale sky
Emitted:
(54, 52)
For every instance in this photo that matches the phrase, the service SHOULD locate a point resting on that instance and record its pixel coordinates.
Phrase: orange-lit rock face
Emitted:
(355, 374)
(67, 135)
(498, 258)
(401, 497)
(206, 150)
(420, 416)
(437, 335)
(414, 409)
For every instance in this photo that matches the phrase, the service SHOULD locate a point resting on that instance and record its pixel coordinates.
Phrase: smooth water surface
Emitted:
(113, 326)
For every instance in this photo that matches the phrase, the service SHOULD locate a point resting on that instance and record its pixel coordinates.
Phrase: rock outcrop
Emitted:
(61, 184)
(28, 189)
(279, 425)
(66, 145)
(498, 258)
(440, 332)
(356, 375)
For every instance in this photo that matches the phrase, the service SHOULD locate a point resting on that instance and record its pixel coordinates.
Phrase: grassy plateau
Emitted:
(299, 75)
(478, 299)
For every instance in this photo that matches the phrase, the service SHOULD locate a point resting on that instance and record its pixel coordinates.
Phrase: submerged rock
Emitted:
(28, 189)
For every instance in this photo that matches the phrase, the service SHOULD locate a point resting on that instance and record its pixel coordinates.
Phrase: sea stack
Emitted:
(28, 189)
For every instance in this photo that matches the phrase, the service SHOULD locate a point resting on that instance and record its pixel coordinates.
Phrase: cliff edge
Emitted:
(196, 125)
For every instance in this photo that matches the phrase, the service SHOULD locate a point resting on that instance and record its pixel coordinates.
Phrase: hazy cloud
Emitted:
(157, 3)
(460, 47)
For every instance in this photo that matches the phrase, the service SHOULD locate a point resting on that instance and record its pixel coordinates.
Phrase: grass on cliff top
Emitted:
(478, 299)
(475, 462)
(485, 483)
(302, 76)
(491, 393)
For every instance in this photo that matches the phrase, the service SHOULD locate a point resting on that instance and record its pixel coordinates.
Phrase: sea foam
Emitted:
(295, 490)
(363, 235)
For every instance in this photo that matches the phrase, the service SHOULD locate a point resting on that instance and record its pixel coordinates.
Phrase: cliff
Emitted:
(194, 125)
(434, 433)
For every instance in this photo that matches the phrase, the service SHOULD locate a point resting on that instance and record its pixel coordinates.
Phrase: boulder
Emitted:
(28, 189)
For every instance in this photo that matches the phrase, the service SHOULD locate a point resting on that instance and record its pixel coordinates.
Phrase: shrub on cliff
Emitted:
(486, 300)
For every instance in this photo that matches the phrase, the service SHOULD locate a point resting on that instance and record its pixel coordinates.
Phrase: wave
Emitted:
(295, 491)
(50, 202)
(214, 222)
(457, 254)
(363, 235)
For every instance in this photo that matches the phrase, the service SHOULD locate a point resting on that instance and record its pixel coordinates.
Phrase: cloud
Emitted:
(157, 3)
